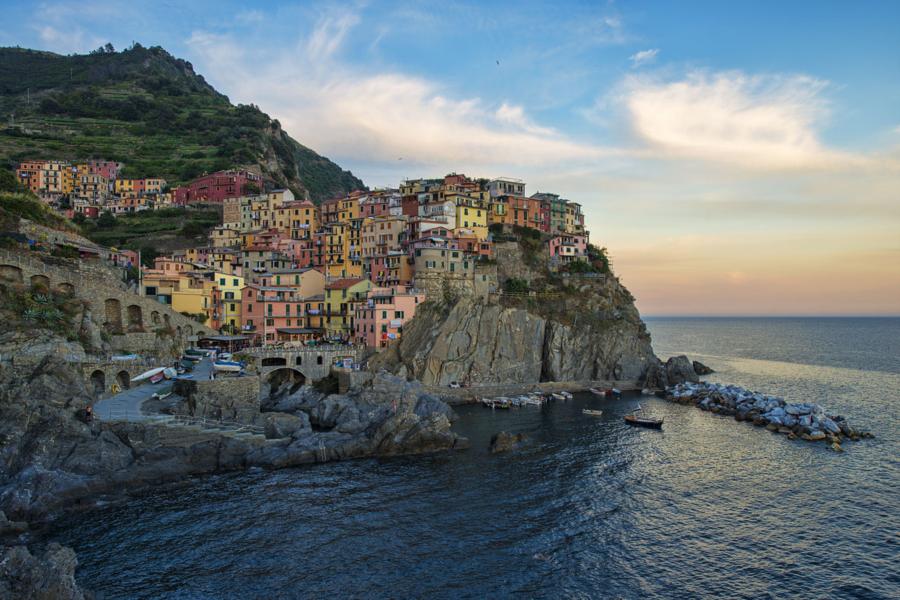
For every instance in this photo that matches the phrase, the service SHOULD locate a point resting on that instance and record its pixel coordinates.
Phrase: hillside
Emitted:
(150, 110)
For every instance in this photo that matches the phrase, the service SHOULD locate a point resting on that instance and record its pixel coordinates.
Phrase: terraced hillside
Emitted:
(150, 110)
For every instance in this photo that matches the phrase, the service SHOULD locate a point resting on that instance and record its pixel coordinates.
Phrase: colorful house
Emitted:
(381, 318)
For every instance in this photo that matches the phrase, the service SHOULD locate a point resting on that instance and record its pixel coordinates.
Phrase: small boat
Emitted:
(196, 352)
(192, 357)
(169, 372)
(647, 392)
(228, 366)
(566, 395)
(638, 419)
(149, 374)
(157, 378)
(597, 391)
(593, 413)
(556, 396)
(224, 356)
(616, 392)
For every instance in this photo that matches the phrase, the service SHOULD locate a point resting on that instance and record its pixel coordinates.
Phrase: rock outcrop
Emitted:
(50, 576)
(505, 441)
(50, 460)
(570, 329)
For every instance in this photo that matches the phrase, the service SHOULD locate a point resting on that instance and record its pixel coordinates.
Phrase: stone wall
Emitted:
(312, 363)
(224, 399)
(134, 323)
(478, 284)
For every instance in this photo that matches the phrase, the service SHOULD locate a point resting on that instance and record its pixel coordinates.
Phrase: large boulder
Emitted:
(505, 441)
(701, 369)
(283, 425)
(679, 369)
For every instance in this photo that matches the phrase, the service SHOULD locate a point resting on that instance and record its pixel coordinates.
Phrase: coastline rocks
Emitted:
(808, 421)
(50, 460)
(505, 441)
(50, 576)
(701, 369)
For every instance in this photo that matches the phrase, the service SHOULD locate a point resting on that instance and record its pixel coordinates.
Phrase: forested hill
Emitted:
(150, 110)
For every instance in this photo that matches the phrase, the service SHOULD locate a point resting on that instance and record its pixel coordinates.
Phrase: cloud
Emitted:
(374, 117)
(70, 40)
(250, 17)
(757, 121)
(643, 57)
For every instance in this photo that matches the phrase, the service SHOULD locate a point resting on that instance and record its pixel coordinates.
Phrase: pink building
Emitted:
(565, 248)
(386, 310)
(270, 314)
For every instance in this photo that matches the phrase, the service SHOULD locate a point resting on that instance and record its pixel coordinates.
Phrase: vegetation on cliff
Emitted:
(153, 231)
(150, 110)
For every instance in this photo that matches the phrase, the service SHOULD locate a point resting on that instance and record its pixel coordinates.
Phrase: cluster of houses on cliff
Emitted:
(283, 270)
(90, 187)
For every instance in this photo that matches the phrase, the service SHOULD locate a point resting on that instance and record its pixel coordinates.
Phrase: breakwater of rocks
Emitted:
(807, 421)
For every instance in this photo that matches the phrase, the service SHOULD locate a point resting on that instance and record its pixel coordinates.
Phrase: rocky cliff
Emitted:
(575, 328)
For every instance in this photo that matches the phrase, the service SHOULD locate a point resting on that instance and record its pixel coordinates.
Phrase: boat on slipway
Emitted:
(592, 413)
(228, 366)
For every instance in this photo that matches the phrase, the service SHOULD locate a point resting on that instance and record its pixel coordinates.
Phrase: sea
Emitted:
(587, 507)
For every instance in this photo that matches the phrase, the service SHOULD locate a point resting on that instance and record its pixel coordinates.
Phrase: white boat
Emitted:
(566, 395)
(149, 374)
(647, 392)
(593, 413)
(228, 366)
(616, 392)
(170, 373)
(556, 396)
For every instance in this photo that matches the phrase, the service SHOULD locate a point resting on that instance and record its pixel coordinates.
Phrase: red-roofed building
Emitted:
(215, 187)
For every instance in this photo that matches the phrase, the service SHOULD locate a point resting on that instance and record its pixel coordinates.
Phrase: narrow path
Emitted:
(126, 405)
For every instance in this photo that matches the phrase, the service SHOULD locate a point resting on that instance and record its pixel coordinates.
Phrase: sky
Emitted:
(736, 158)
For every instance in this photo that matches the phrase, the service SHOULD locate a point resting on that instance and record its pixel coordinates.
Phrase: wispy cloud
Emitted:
(643, 57)
(758, 121)
(345, 111)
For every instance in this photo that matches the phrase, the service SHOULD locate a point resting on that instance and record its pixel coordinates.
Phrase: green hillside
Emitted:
(150, 110)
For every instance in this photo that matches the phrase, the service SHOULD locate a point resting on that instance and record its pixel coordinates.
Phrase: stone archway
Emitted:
(10, 274)
(299, 360)
(113, 313)
(66, 288)
(274, 361)
(188, 330)
(135, 318)
(40, 283)
(154, 317)
(123, 378)
(284, 381)
(98, 382)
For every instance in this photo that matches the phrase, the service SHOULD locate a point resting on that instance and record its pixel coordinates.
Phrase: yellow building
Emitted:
(471, 214)
(226, 303)
(341, 299)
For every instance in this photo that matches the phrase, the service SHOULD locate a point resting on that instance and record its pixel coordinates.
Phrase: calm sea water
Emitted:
(587, 508)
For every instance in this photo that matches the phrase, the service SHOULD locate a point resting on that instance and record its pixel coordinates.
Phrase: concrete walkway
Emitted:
(126, 405)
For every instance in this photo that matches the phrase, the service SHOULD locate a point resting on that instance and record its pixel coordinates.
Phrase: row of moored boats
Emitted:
(637, 417)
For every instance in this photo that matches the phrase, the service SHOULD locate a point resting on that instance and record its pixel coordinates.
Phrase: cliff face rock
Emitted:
(49, 576)
(569, 329)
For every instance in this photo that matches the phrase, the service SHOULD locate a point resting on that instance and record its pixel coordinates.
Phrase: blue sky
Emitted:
(734, 157)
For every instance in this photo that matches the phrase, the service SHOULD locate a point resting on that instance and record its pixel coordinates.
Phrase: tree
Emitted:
(148, 256)
(106, 220)
(79, 219)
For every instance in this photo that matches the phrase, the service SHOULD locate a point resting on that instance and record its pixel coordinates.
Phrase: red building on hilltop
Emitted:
(215, 187)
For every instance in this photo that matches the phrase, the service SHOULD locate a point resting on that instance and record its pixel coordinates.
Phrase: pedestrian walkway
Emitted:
(126, 405)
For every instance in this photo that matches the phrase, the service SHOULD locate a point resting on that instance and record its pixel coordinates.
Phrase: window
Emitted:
(233, 308)
(234, 282)
(221, 281)
(270, 322)
(398, 314)
(384, 328)
(229, 295)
